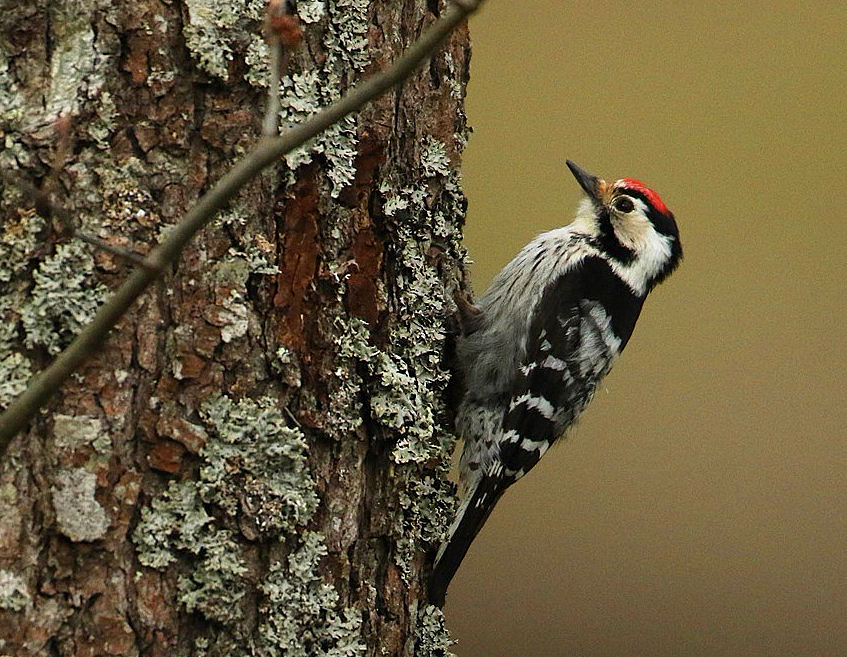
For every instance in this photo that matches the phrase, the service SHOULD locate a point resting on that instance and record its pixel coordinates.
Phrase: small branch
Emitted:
(97, 243)
(274, 14)
(46, 383)
(283, 34)
(271, 122)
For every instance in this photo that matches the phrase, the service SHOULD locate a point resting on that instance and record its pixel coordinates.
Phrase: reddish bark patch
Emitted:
(363, 298)
(370, 157)
(191, 366)
(157, 616)
(137, 63)
(298, 261)
(125, 496)
(166, 457)
(178, 429)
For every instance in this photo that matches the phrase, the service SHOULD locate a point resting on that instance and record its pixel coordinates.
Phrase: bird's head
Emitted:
(631, 226)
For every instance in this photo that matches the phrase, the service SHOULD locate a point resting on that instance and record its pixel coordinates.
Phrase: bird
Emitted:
(530, 353)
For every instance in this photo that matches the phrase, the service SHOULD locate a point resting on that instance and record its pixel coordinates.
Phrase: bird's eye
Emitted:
(624, 204)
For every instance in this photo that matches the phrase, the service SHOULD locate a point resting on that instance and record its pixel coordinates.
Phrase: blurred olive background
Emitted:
(700, 508)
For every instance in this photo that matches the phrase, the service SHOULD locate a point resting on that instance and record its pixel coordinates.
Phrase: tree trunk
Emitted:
(254, 462)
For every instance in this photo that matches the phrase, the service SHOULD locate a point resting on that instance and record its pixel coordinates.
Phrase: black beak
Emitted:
(585, 180)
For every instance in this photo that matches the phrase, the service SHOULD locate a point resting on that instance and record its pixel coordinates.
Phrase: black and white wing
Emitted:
(572, 344)
(570, 350)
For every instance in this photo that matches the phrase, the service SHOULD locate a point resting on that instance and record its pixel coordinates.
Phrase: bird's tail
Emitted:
(470, 518)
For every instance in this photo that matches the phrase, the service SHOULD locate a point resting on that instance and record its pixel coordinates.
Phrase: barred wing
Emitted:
(570, 350)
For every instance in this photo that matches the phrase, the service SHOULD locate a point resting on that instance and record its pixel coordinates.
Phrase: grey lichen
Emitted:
(431, 636)
(15, 368)
(216, 582)
(14, 594)
(231, 311)
(254, 465)
(346, 37)
(174, 521)
(339, 143)
(72, 432)
(287, 367)
(177, 523)
(101, 128)
(11, 104)
(311, 11)
(397, 402)
(434, 160)
(230, 273)
(430, 507)
(352, 347)
(257, 257)
(406, 383)
(257, 59)
(417, 338)
(63, 299)
(117, 196)
(15, 373)
(257, 465)
(235, 216)
(211, 32)
(78, 514)
(233, 316)
(20, 236)
(74, 62)
(300, 612)
(302, 95)
(345, 26)
(410, 374)
(396, 395)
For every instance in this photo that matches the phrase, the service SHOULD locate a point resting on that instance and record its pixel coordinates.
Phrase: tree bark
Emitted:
(254, 463)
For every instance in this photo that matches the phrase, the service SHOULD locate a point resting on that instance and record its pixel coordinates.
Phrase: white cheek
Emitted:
(632, 230)
(652, 254)
(653, 250)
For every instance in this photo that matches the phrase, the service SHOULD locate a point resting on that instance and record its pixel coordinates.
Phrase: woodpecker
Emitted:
(532, 351)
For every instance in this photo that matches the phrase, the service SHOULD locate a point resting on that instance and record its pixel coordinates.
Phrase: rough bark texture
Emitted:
(253, 462)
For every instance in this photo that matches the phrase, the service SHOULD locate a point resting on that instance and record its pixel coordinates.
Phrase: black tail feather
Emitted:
(469, 520)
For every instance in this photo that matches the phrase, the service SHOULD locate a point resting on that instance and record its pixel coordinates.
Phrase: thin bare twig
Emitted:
(270, 125)
(97, 243)
(46, 383)
(282, 31)
(275, 11)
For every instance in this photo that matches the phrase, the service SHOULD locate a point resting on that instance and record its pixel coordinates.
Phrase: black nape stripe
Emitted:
(608, 242)
(664, 224)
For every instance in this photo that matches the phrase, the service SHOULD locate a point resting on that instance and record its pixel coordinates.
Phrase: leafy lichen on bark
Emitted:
(417, 339)
(20, 241)
(311, 314)
(254, 471)
(300, 611)
(431, 636)
(14, 594)
(255, 466)
(21, 236)
(176, 525)
(15, 367)
(213, 30)
(63, 299)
